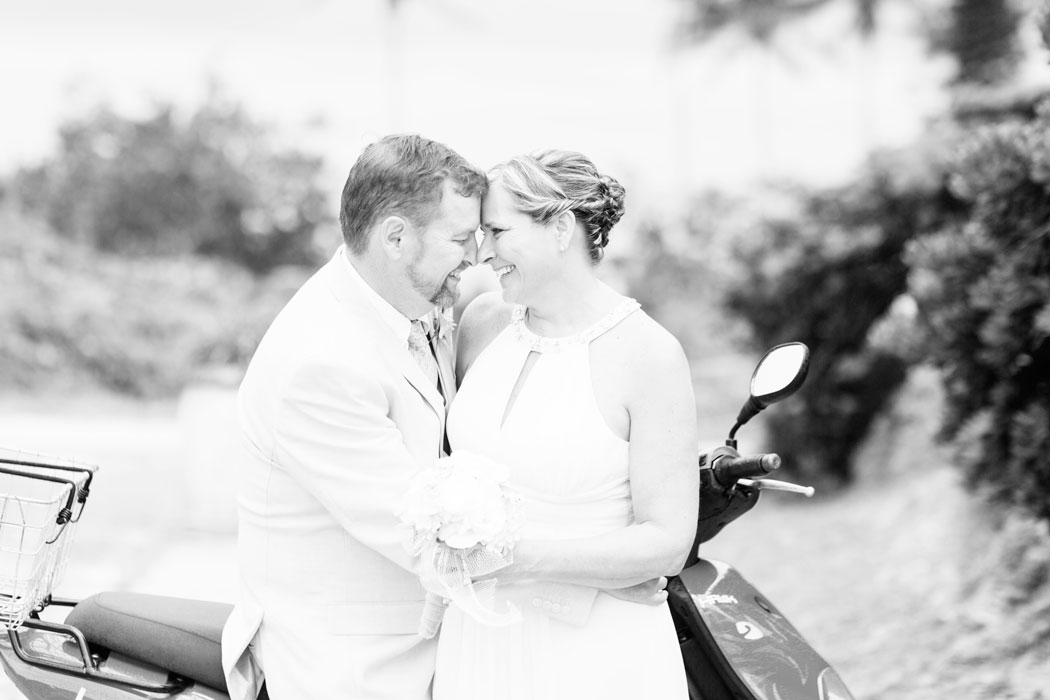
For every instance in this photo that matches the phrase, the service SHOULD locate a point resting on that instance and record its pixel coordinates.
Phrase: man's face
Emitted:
(447, 246)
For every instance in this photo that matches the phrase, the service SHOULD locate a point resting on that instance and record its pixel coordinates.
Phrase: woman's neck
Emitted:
(571, 307)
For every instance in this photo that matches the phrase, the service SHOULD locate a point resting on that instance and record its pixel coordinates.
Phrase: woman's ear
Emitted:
(564, 228)
(393, 236)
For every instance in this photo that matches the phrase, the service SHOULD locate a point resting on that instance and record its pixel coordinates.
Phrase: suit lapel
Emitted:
(427, 389)
(378, 331)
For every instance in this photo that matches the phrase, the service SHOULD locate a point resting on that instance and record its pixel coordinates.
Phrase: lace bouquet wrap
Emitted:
(463, 525)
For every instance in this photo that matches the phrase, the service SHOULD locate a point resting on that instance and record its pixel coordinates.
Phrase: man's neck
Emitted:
(386, 282)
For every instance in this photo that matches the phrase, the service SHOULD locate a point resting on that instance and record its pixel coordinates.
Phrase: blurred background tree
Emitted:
(148, 248)
(983, 290)
(210, 184)
(829, 269)
(760, 20)
(825, 275)
(982, 35)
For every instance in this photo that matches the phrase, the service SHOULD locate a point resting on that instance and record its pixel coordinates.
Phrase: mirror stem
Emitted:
(731, 440)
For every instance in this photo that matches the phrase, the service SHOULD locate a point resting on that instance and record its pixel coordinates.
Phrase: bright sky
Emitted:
(490, 77)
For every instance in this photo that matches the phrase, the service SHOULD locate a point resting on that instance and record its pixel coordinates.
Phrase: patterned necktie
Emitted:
(420, 349)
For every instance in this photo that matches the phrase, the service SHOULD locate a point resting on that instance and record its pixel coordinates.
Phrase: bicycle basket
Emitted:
(41, 499)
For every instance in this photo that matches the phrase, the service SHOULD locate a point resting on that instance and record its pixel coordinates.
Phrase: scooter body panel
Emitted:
(117, 682)
(756, 652)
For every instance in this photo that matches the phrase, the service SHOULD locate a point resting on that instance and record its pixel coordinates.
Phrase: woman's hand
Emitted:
(651, 592)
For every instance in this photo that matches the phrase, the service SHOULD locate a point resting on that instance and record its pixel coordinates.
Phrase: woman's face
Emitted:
(523, 253)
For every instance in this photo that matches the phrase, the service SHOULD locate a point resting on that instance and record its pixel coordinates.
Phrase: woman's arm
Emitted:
(664, 483)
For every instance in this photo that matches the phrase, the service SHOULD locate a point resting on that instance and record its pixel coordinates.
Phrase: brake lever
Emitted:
(775, 485)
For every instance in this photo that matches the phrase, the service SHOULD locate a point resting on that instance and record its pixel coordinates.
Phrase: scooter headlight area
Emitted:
(832, 687)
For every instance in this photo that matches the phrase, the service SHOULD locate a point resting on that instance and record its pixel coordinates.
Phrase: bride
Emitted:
(589, 402)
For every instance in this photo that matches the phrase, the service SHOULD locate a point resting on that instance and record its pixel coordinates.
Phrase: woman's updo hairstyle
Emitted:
(548, 183)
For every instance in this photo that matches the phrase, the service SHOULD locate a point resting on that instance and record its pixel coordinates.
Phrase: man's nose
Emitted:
(470, 253)
(485, 251)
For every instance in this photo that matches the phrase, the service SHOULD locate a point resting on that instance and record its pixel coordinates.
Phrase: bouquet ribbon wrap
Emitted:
(448, 575)
(463, 527)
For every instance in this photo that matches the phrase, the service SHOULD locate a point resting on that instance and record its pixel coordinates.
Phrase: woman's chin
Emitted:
(510, 292)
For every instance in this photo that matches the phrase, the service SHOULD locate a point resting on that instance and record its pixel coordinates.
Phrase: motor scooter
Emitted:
(735, 644)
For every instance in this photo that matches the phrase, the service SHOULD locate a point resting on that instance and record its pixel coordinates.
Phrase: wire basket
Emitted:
(41, 500)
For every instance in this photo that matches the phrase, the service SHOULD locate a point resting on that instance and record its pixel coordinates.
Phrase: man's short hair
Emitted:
(402, 175)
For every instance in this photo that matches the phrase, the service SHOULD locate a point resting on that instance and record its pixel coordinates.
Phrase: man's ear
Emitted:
(564, 228)
(392, 236)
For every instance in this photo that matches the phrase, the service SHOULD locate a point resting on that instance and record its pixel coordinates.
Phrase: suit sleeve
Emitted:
(334, 434)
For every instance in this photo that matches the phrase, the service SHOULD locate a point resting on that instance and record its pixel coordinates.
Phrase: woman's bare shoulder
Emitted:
(658, 382)
(640, 336)
(650, 348)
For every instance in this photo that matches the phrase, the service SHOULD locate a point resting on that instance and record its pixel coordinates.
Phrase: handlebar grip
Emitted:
(728, 469)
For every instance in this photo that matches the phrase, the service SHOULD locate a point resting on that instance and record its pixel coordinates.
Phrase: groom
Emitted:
(341, 404)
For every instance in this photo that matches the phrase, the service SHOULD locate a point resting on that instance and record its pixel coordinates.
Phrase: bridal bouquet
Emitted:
(463, 525)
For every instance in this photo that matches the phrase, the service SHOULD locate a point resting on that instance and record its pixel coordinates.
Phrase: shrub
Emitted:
(983, 290)
(824, 274)
(163, 185)
(74, 317)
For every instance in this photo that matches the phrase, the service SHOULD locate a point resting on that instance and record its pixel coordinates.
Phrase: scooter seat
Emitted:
(180, 635)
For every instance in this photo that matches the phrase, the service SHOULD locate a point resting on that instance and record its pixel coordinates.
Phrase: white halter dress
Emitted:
(572, 473)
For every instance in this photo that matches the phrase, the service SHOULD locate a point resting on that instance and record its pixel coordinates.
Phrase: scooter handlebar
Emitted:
(727, 470)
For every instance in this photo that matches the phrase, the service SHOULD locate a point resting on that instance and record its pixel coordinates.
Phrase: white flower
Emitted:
(461, 502)
(444, 322)
(463, 522)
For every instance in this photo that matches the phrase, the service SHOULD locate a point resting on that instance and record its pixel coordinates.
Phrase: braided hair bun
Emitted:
(548, 183)
(609, 209)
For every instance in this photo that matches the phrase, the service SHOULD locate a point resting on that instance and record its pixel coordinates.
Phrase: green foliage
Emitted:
(161, 186)
(983, 288)
(73, 317)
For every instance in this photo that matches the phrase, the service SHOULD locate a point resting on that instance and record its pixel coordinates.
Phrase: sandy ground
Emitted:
(870, 576)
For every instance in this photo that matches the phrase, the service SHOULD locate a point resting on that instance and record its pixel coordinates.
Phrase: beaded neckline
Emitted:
(540, 343)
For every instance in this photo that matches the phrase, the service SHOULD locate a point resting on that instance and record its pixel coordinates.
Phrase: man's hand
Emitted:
(650, 592)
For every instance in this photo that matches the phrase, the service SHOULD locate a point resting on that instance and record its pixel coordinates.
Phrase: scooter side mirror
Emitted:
(779, 374)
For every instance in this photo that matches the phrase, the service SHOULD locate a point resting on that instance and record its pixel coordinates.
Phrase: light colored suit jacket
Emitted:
(336, 417)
